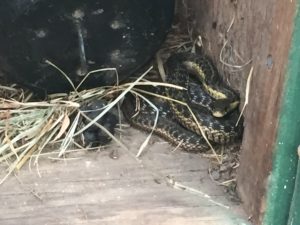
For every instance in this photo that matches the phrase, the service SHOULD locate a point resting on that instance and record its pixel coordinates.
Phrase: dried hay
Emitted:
(28, 128)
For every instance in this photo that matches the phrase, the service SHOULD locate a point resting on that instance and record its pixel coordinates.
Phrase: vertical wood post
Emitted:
(261, 31)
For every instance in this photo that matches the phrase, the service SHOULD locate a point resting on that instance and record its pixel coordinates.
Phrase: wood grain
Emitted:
(261, 31)
(92, 188)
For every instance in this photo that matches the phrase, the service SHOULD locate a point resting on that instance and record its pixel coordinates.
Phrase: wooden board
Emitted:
(260, 31)
(92, 188)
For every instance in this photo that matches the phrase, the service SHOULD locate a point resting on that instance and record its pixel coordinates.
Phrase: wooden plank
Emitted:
(93, 188)
(261, 31)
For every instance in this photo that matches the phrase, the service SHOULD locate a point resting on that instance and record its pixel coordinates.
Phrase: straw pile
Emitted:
(29, 128)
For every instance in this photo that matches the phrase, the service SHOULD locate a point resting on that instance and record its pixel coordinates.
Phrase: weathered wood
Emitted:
(96, 189)
(261, 31)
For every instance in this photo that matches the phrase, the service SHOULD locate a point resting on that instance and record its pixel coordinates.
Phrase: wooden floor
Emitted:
(94, 188)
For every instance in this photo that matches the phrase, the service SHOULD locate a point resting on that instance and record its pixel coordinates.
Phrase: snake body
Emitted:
(206, 106)
(217, 129)
(166, 128)
(203, 69)
(182, 67)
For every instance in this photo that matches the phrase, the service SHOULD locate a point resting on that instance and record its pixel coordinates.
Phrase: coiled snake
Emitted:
(206, 105)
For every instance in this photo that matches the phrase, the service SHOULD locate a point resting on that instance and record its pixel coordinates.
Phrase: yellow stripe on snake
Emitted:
(213, 103)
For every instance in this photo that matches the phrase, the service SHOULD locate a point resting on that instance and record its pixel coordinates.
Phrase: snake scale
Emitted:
(205, 105)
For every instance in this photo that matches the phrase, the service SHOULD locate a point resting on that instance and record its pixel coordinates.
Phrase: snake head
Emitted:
(222, 107)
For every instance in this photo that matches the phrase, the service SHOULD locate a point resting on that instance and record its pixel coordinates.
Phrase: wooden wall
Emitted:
(260, 31)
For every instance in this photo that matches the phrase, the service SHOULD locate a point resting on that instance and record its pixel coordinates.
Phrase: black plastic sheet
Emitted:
(79, 36)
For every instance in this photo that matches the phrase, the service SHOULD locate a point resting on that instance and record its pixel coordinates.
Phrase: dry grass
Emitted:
(28, 128)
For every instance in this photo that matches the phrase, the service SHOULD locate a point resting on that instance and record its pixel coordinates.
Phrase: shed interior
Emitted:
(166, 186)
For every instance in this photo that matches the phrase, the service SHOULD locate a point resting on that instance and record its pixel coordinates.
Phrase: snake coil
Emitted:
(206, 105)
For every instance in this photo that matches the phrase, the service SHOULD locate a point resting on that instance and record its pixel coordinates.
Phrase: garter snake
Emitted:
(205, 98)
(142, 116)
